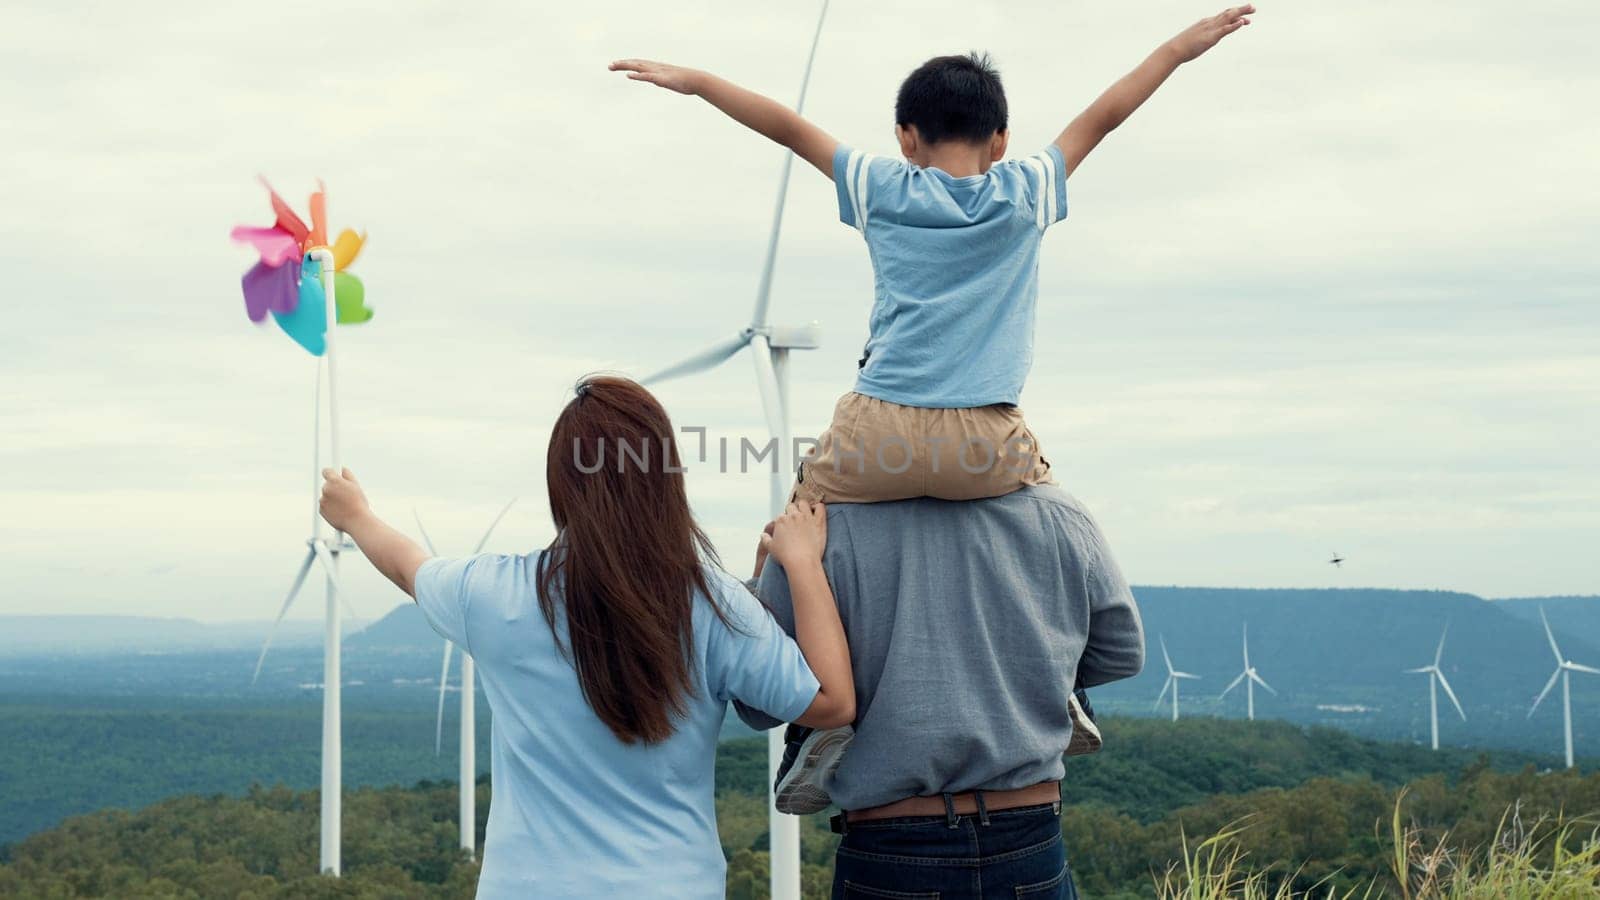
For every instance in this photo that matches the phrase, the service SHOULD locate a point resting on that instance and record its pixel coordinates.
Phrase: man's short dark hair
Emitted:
(953, 98)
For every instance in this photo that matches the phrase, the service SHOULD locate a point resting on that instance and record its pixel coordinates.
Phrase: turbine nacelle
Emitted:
(319, 550)
(776, 337)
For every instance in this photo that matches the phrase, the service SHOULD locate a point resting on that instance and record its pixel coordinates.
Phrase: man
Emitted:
(969, 624)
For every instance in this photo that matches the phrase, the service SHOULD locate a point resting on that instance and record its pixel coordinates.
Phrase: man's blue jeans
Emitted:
(1011, 853)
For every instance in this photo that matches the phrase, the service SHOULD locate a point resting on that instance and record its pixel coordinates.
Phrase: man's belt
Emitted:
(970, 803)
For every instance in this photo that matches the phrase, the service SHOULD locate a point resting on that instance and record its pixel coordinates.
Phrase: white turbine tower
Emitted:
(1564, 669)
(1437, 680)
(769, 350)
(468, 771)
(325, 551)
(1173, 677)
(1251, 678)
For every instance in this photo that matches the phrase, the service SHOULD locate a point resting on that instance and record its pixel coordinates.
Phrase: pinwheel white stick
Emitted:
(324, 552)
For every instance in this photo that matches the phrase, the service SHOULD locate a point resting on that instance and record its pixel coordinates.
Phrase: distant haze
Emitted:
(1334, 289)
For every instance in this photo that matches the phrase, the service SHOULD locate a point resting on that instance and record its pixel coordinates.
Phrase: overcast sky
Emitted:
(1333, 289)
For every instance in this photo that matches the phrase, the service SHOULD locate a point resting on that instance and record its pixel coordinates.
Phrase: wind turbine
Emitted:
(769, 350)
(1173, 677)
(324, 551)
(1437, 680)
(468, 771)
(1564, 669)
(1250, 677)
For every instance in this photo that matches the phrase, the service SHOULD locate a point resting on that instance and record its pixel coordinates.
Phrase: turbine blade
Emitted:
(1578, 667)
(426, 541)
(288, 601)
(479, 549)
(324, 556)
(1547, 686)
(444, 680)
(1247, 645)
(1164, 657)
(1551, 635)
(1163, 695)
(763, 305)
(1261, 681)
(767, 384)
(709, 358)
(1185, 675)
(1417, 671)
(1232, 684)
(1451, 694)
(1439, 653)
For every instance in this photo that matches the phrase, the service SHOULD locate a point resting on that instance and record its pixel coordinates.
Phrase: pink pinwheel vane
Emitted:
(287, 280)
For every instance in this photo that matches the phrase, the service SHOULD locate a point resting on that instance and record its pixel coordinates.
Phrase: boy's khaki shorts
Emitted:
(876, 451)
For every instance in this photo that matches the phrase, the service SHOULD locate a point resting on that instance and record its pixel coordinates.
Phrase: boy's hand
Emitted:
(343, 501)
(1204, 34)
(673, 78)
(798, 536)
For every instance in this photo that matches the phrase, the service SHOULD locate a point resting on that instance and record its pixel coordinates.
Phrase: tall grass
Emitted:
(1547, 860)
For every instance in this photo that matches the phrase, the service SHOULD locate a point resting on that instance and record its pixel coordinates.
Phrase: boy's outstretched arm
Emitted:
(750, 109)
(1119, 101)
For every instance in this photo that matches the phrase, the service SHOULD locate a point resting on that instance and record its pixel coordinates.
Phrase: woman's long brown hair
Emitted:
(627, 559)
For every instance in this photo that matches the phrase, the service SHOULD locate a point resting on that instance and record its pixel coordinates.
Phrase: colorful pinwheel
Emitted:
(287, 281)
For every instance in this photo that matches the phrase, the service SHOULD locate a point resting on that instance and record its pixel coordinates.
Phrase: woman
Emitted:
(609, 658)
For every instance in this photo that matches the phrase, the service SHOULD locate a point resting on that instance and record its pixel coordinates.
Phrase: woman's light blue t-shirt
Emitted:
(955, 263)
(575, 812)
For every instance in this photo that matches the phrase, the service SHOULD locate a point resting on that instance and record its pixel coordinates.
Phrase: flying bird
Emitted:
(1337, 561)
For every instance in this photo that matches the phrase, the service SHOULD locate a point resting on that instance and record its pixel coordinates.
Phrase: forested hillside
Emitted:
(1312, 799)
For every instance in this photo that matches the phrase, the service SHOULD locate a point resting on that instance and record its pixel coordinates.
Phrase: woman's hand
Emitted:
(343, 502)
(798, 537)
(673, 78)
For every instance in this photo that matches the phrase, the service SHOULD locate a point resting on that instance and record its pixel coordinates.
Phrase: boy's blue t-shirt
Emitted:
(577, 813)
(956, 266)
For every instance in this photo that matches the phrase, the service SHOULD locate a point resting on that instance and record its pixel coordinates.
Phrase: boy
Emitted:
(954, 236)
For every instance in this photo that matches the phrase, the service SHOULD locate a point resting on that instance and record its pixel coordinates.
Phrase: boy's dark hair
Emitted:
(953, 98)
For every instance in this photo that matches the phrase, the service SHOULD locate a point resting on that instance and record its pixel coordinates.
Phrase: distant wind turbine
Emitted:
(1250, 677)
(1564, 669)
(769, 350)
(1437, 680)
(1173, 676)
(468, 807)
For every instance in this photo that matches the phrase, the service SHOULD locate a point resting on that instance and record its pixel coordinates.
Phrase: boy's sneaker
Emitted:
(1085, 734)
(810, 757)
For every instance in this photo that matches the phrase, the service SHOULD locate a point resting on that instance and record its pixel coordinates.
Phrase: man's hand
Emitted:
(343, 502)
(761, 549)
(673, 78)
(798, 536)
(1204, 34)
